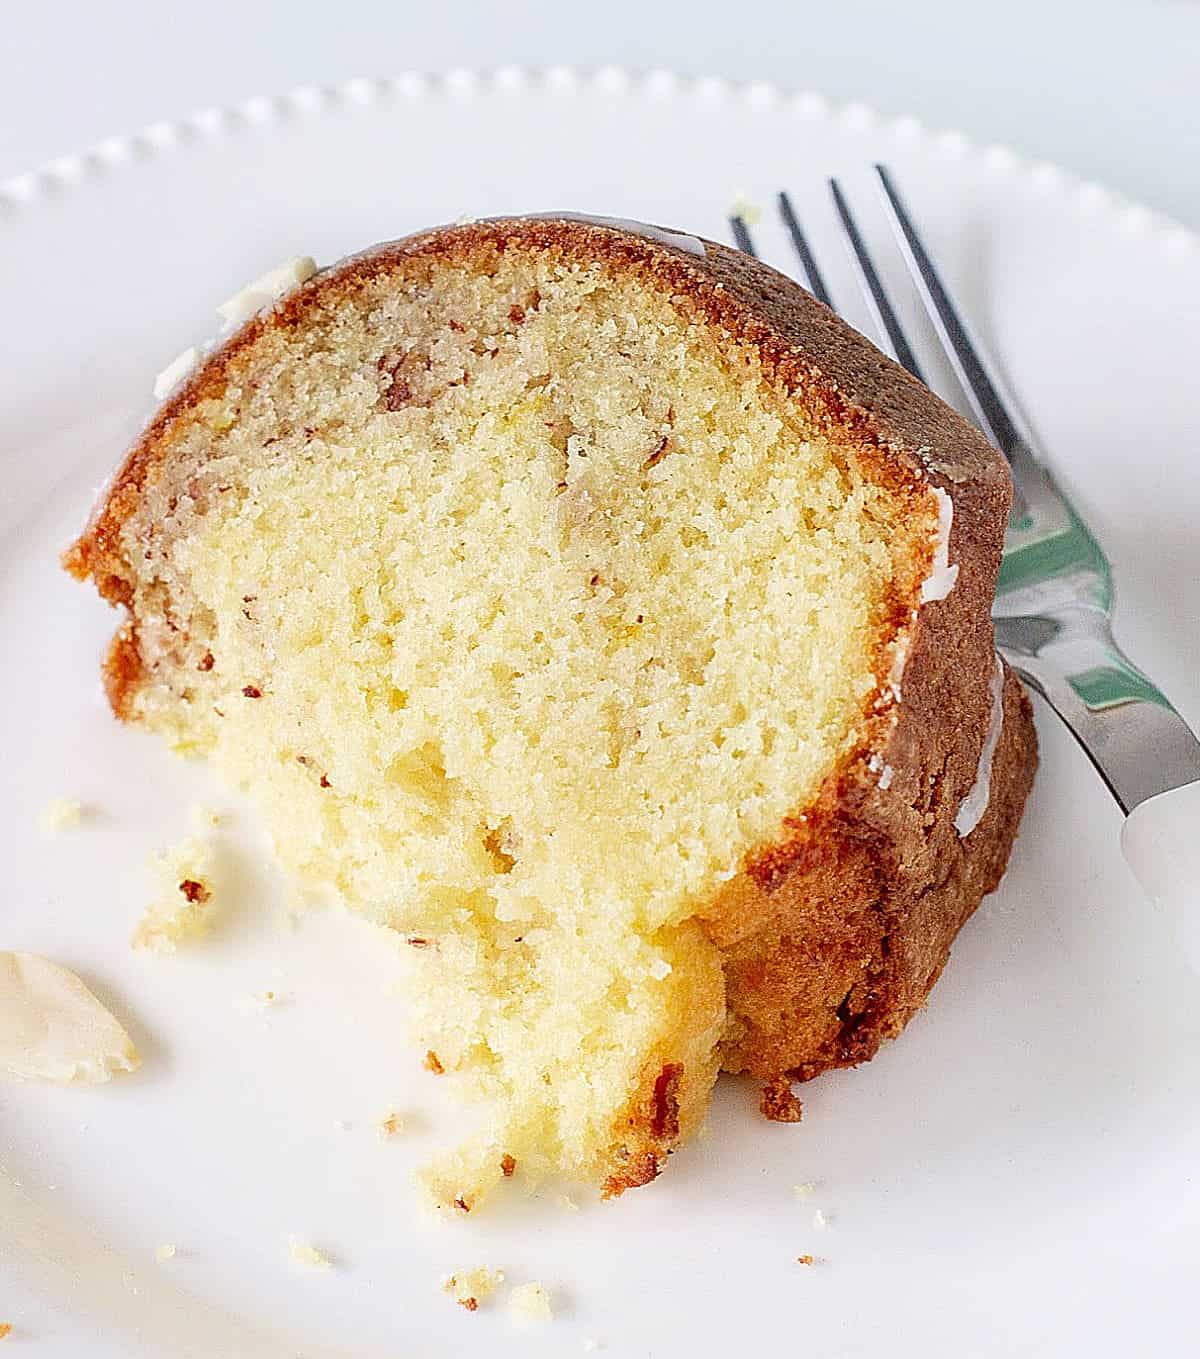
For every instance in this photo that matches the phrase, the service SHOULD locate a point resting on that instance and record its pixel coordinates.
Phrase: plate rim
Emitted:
(53, 178)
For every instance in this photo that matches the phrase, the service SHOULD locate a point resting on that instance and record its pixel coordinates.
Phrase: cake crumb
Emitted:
(433, 1063)
(181, 911)
(820, 1220)
(779, 1102)
(203, 818)
(805, 1259)
(805, 1190)
(60, 814)
(5, 1329)
(744, 210)
(164, 1252)
(508, 1165)
(530, 1302)
(304, 1254)
(391, 1124)
(473, 1286)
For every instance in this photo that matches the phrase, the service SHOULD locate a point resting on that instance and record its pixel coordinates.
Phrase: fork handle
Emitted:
(1161, 843)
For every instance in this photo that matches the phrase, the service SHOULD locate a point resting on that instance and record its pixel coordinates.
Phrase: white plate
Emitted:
(1015, 1176)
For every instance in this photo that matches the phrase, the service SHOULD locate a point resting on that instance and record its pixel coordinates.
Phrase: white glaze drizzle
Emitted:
(942, 577)
(266, 290)
(175, 372)
(971, 809)
(677, 239)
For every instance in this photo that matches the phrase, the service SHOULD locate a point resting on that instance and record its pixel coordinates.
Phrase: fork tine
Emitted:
(973, 371)
(741, 235)
(816, 284)
(877, 299)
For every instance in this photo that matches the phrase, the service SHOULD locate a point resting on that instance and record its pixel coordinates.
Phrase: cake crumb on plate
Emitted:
(743, 209)
(181, 911)
(530, 1302)
(473, 1286)
(302, 1253)
(203, 818)
(391, 1125)
(165, 1252)
(60, 814)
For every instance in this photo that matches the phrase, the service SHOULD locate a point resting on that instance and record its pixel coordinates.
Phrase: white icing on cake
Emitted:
(942, 577)
(267, 289)
(973, 806)
(677, 239)
(175, 371)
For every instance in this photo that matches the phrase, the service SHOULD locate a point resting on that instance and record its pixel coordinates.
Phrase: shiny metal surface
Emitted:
(1053, 606)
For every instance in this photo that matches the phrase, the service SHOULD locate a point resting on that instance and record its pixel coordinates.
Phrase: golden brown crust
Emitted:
(779, 1102)
(839, 948)
(122, 671)
(640, 1168)
(833, 935)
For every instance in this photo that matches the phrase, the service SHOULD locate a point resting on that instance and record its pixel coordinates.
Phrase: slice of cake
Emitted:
(590, 604)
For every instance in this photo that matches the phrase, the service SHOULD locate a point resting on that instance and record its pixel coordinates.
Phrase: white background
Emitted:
(1108, 88)
(1016, 1177)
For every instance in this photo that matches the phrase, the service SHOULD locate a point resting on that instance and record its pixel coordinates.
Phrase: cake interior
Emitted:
(524, 606)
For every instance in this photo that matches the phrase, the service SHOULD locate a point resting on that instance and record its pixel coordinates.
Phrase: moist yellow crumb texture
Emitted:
(524, 606)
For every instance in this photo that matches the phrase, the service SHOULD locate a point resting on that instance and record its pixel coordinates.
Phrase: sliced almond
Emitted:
(52, 1027)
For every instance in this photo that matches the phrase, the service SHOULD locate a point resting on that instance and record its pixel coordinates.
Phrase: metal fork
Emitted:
(1053, 606)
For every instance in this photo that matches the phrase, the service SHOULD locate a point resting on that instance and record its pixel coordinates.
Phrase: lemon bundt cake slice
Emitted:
(593, 606)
